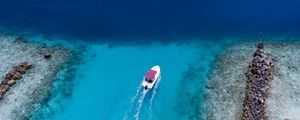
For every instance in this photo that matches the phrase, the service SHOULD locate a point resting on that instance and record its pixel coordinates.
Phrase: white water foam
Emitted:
(132, 101)
(135, 96)
(154, 93)
(140, 103)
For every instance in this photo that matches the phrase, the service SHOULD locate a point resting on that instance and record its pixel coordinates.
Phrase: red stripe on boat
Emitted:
(151, 74)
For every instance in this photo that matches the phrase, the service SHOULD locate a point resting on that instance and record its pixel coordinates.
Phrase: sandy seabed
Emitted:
(284, 93)
(28, 92)
(226, 86)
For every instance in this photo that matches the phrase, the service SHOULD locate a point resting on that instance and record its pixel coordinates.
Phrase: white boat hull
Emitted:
(148, 85)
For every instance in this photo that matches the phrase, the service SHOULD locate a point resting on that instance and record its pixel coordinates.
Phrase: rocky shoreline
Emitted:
(11, 77)
(227, 89)
(26, 95)
(259, 75)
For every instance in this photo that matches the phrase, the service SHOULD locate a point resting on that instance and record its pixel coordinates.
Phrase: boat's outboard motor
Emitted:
(146, 87)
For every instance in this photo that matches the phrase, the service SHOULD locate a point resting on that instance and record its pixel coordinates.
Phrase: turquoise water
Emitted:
(109, 78)
(104, 84)
(101, 85)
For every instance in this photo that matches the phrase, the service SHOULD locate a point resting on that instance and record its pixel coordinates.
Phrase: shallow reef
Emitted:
(26, 94)
(227, 85)
(259, 75)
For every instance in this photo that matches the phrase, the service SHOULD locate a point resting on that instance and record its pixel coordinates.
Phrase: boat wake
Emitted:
(153, 94)
(138, 103)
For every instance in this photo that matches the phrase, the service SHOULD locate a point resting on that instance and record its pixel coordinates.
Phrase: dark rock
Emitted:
(259, 74)
(11, 77)
(47, 55)
(43, 45)
(26, 65)
(8, 75)
(3, 89)
(22, 70)
(260, 46)
(3, 82)
(209, 86)
(20, 39)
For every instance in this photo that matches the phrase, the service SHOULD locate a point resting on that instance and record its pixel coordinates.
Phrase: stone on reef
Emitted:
(209, 86)
(11, 82)
(11, 77)
(3, 89)
(20, 39)
(47, 55)
(26, 65)
(21, 70)
(259, 74)
(17, 76)
(260, 46)
(43, 45)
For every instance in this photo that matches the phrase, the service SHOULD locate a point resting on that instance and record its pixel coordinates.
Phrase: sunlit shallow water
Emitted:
(110, 76)
(100, 81)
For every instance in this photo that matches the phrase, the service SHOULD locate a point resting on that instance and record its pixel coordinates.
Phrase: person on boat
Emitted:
(148, 80)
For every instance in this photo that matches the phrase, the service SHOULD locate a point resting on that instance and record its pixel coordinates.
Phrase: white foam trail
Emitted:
(154, 93)
(132, 101)
(140, 103)
(135, 96)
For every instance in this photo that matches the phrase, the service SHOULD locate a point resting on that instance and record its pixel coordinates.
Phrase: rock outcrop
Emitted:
(11, 77)
(259, 75)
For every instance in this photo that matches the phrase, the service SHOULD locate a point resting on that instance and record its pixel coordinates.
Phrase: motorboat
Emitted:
(151, 77)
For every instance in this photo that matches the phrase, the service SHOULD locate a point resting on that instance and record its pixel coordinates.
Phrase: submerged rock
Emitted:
(209, 86)
(35, 80)
(11, 82)
(47, 55)
(259, 75)
(260, 46)
(20, 39)
(22, 70)
(226, 101)
(17, 76)
(26, 65)
(11, 77)
(3, 89)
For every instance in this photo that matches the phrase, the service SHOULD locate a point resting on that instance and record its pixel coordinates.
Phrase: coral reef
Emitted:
(227, 86)
(11, 77)
(26, 95)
